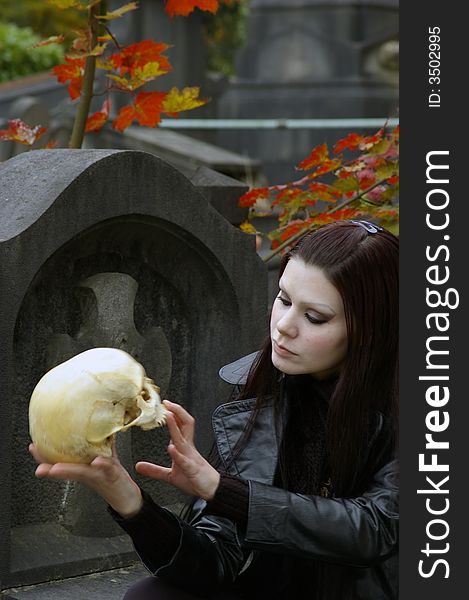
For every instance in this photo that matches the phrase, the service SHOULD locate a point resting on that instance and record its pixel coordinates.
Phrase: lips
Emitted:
(281, 350)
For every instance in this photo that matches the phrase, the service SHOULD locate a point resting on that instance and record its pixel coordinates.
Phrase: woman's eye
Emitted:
(284, 301)
(314, 320)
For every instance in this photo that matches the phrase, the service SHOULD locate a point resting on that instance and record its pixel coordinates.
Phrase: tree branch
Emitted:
(86, 94)
(312, 226)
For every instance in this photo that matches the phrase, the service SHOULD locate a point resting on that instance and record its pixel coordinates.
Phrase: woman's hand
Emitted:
(189, 472)
(106, 476)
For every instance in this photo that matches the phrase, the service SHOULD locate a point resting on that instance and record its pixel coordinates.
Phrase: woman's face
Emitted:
(307, 326)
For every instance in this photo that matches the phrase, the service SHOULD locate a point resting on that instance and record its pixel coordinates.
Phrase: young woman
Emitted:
(300, 497)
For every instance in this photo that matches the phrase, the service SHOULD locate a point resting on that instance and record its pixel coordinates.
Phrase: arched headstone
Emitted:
(310, 59)
(109, 248)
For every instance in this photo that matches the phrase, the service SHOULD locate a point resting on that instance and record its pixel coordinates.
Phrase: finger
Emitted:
(71, 472)
(186, 419)
(42, 470)
(153, 471)
(35, 454)
(174, 431)
(186, 464)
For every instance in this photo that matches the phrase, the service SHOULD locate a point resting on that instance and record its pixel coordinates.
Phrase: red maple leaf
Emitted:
(136, 56)
(323, 191)
(318, 155)
(287, 195)
(19, 132)
(251, 197)
(326, 167)
(96, 121)
(371, 140)
(185, 7)
(71, 70)
(293, 228)
(146, 110)
(338, 215)
(351, 142)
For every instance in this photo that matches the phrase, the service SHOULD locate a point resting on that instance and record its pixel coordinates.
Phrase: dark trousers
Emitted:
(152, 588)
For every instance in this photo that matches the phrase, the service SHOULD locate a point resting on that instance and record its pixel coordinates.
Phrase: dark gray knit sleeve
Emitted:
(231, 499)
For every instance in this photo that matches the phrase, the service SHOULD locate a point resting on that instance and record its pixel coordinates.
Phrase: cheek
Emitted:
(328, 343)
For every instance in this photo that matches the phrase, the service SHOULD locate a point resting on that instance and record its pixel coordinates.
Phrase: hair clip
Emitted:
(370, 227)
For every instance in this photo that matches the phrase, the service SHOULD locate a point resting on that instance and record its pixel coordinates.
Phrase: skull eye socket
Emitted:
(131, 413)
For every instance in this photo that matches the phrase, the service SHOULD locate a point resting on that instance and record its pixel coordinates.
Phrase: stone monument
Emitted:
(110, 248)
(310, 59)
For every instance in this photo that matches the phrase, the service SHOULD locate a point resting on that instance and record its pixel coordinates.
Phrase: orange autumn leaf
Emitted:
(324, 192)
(351, 142)
(146, 110)
(96, 121)
(71, 70)
(293, 228)
(185, 7)
(288, 196)
(251, 197)
(318, 155)
(18, 131)
(177, 101)
(369, 141)
(341, 214)
(136, 56)
(141, 76)
(326, 167)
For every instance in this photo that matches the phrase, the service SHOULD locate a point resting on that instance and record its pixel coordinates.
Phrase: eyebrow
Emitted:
(305, 303)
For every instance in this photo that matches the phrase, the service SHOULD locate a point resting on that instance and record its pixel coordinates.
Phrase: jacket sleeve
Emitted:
(209, 555)
(198, 556)
(357, 532)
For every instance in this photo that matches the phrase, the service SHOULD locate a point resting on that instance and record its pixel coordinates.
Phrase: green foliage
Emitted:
(19, 58)
(225, 33)
(43, 18)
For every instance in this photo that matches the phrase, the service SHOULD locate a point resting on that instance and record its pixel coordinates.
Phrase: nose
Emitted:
(287, 326)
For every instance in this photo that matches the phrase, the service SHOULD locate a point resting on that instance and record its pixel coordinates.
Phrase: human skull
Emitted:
(78, 406)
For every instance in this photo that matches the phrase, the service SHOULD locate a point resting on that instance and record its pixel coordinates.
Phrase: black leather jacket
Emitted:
(294, 545)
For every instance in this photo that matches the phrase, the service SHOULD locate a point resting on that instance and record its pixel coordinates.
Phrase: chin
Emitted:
(284, 366)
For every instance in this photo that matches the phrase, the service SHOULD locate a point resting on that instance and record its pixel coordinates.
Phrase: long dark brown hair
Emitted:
(362, 262)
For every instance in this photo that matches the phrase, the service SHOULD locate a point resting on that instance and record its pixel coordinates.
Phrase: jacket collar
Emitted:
(237, 371)
(258, 459)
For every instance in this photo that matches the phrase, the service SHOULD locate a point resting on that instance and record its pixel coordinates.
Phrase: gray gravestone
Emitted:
(310, 59)
(110, 248)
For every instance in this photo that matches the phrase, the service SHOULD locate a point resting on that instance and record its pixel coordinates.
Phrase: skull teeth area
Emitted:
(146, 410)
